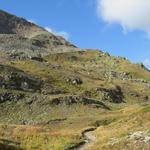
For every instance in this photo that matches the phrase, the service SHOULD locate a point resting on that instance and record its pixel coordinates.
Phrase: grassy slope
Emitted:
(90, 66)
(128, 120)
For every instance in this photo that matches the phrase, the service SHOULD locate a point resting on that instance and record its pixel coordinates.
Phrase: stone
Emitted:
(137, 135)
(147, 139)
(74, 80)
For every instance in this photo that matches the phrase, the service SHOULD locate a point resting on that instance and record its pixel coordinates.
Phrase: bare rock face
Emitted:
(23, 38)
(11, 24)
(114, 95)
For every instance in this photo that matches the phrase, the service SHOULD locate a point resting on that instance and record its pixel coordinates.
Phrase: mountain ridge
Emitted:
(26, 38)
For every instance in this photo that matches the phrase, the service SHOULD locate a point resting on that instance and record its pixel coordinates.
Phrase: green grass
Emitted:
(146, 109)
(59, 127)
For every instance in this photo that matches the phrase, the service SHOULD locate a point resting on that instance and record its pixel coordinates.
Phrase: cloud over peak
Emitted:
(147, 62)
(130, 14)
(60, 33)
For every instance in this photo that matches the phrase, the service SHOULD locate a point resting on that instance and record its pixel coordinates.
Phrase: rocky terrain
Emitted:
(51, 92)
(22, 39)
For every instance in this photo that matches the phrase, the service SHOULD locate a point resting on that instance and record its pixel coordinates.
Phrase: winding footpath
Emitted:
(89, 139)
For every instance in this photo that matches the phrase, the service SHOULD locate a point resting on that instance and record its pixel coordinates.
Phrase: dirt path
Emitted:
(89, 138)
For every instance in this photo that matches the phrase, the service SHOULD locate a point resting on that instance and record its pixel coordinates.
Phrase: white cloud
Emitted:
(32, 21)
(147, 62)
(130, 14)
(61, 33)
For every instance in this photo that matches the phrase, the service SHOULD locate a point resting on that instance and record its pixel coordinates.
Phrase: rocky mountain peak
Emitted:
(22, 37)
(11, 24)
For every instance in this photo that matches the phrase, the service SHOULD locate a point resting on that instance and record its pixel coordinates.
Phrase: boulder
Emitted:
(74, 80)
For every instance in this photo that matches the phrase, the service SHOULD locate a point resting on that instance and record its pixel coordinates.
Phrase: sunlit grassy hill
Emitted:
(51, 91)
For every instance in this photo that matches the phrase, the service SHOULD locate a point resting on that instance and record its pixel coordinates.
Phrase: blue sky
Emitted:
(81, 21)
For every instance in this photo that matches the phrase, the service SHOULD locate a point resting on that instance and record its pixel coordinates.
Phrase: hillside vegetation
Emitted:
(51, 92)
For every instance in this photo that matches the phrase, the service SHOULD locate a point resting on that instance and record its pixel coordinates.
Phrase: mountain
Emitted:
(18, 36)
(56, 96)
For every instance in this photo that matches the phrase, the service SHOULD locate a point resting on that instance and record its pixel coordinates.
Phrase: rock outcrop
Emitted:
(11, 78)
(70, 100)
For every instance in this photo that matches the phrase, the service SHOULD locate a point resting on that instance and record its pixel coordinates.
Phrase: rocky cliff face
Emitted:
(17, 35)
